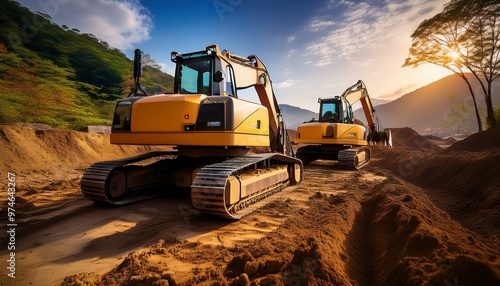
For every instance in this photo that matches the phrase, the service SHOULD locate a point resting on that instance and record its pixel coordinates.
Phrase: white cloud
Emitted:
(366, 27)
(318, 25)
(167, 68)
(287, 83)
(291, 53)
(121, 23)
(336, 3)
(291, 38)
(287, 72)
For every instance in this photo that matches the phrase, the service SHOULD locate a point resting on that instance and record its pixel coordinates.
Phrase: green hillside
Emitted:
(58, 76)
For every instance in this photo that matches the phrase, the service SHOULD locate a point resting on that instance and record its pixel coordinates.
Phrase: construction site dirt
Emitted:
(426, 212)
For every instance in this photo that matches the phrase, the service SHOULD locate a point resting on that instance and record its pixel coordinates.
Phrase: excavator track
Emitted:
(208, 190)
(109, 182)
(354, 158)
(97, 185)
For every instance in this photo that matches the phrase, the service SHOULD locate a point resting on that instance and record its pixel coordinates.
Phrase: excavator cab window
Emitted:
(195, 76)
(347, 116)
(121, 120)
(350, 115)
(230, 81)
(123, 115)
(329, 112)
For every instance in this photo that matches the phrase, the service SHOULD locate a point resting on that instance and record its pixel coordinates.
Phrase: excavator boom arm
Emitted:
(358, 92)
(250, 71)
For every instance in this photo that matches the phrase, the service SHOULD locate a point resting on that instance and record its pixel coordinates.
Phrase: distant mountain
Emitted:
(427, 107)
(58, 76)
(376, 101)
(294, 116)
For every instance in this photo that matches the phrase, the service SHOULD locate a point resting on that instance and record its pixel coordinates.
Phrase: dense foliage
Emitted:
(58, 76)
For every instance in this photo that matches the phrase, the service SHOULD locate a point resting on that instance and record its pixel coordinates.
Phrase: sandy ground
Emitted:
(418, 214)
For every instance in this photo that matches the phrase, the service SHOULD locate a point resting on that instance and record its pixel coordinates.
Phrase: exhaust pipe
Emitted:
(138, 90)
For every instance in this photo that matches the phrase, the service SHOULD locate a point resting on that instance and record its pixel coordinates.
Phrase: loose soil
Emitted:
(421, 213)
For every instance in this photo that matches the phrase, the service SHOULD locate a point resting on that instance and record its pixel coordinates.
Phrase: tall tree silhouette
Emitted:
(464, 37)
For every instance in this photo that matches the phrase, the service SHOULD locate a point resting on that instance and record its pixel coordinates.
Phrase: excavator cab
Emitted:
(335, 110)
(203, 72)
(194, 76)
(329, 112)
(194, 73)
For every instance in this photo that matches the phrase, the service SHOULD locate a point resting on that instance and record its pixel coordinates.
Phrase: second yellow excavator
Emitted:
(337, 136)
(230, 152)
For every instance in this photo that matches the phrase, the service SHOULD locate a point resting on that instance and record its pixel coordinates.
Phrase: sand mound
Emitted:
(442, 142)
(473, 183)
(56, 150)
(484, 140)
(410, 139)
(462, 178)
(471, 168)
(42, 158)
(432, 137)
(450, 141)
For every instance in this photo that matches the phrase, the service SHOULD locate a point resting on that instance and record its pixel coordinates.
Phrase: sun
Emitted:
(454, 55)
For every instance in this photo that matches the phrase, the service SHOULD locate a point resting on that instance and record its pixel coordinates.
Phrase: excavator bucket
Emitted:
(382, 138)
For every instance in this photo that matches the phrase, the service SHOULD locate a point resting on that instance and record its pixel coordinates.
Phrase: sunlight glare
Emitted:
(454, 55)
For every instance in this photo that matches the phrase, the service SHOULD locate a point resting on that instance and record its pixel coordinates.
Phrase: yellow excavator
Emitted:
(337, 135)
(230, 152)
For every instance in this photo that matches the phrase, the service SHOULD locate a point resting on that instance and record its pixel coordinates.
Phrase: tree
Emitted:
(147, 61)
(484, 56)
(436, 41)
(458, 116)
(463, 38)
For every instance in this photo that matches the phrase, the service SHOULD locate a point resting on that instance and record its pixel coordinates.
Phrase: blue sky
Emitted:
(312, 49)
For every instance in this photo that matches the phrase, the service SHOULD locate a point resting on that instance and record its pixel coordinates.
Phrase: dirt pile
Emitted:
(450, 141)
(471, 169)
(416, 243)
(42, 155)
(388, 237)
(56, 150)
(481, 141)
(416, 215)
(463, 178)
(442, 142)
(408, 138)
(47, 160)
